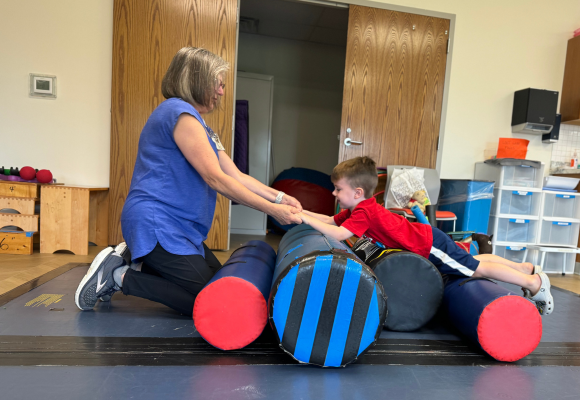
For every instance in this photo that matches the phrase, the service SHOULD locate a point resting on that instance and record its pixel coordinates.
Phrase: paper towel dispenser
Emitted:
(534, 111)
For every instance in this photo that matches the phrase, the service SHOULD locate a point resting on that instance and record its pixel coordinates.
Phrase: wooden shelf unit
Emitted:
(24, 205)
(73, 216)
(21, 197)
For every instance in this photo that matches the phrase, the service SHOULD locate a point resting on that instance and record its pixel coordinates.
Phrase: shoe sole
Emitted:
(90, 273)
(549, 301)
(120, 248)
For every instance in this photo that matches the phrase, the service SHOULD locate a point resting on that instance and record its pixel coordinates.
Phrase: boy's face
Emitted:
(345, 194)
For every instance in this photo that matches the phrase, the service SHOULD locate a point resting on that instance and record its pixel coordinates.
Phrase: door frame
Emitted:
(269, 167)
(409, 10)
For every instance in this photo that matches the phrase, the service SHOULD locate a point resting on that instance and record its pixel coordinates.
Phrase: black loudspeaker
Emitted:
(534, 111)
(553, 136)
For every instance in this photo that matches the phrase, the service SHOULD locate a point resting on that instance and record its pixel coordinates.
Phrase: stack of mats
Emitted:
(326, 307)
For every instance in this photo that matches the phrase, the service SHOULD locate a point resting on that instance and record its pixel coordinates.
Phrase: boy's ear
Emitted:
(358, 193)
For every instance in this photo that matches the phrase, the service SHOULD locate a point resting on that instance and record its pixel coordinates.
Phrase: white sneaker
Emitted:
(543, 299)
(537, 269)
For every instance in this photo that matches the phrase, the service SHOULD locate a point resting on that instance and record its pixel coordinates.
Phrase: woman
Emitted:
(168, 212)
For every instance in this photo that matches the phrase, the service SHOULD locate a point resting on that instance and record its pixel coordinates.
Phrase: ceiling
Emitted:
(295, 20)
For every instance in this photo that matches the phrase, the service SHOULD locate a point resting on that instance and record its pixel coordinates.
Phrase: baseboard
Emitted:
(257, 232)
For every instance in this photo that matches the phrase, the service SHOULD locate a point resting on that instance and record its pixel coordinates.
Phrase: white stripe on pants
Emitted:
(445, 259)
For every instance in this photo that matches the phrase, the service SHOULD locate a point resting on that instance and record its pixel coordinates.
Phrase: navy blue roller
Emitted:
(508, 327)
(231, 311)
(326, 306)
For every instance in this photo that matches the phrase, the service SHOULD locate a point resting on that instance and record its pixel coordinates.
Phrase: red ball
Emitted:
(44, 176)
(27, 173)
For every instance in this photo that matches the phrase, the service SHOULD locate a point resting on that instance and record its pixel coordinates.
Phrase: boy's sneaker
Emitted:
(99, 280)
(543, 299)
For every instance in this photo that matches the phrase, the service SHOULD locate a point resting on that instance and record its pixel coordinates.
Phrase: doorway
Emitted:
(302, 48)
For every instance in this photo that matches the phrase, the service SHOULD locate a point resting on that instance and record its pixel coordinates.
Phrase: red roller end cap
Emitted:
(230, 313)
(27, 173)
(509, 328)
(44, 176)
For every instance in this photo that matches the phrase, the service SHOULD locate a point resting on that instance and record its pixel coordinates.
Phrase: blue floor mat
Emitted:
(49, 310)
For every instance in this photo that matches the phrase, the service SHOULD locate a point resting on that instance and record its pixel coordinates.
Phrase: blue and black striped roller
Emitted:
(325, 306)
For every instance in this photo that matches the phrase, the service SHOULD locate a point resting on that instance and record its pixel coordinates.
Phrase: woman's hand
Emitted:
(291, 201)
(285, 214)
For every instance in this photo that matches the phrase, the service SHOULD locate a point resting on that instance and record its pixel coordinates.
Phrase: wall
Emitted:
(71, 39)
(308, 81)
(565, 149)
(499, 47)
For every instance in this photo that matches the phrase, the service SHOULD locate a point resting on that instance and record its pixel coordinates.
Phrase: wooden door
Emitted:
(393, 86)
(146, 36)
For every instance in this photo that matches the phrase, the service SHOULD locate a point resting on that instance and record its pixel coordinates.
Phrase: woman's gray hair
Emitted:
(193, 76)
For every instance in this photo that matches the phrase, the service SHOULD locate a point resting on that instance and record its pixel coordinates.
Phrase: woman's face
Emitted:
(218, 91)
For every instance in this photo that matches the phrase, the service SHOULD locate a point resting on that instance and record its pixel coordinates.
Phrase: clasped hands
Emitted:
(287, 212)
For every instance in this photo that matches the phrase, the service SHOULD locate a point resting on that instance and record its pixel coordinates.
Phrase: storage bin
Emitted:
(511, 175)
(555, 261)
(513, 230)
(559, 233)
(469, 200)
(517, 253)
(523, 176)
(561, 205)
(516, 202)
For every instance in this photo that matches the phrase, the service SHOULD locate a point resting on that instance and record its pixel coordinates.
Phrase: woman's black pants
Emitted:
(171, 279)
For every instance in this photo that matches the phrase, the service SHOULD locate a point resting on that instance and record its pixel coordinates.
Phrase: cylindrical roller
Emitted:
(413, 286)
(326, 306)
(231, 311)
(508, 327)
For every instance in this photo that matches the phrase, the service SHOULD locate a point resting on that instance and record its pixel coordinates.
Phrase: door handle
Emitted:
(349, 141)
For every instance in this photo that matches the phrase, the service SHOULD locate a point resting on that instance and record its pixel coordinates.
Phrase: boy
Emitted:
(355, 181)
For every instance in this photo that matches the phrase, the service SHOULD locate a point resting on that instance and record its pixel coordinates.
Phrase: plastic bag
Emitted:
(404, 183)
(460, 193)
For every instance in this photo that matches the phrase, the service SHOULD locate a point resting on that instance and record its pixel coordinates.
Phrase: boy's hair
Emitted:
(360, 172)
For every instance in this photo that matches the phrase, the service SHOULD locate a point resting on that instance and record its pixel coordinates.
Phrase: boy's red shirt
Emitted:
(395, 232)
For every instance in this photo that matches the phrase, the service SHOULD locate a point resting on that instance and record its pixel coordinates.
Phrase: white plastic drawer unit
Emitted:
(517, 254)
(517, 230)
(559, 262)
(559, 233)
(516, 202)
(561, 205)
(511, 175)
(520, 176)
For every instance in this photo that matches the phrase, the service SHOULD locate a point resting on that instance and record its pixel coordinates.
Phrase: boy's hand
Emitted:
(291, 201)
(304, 218)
